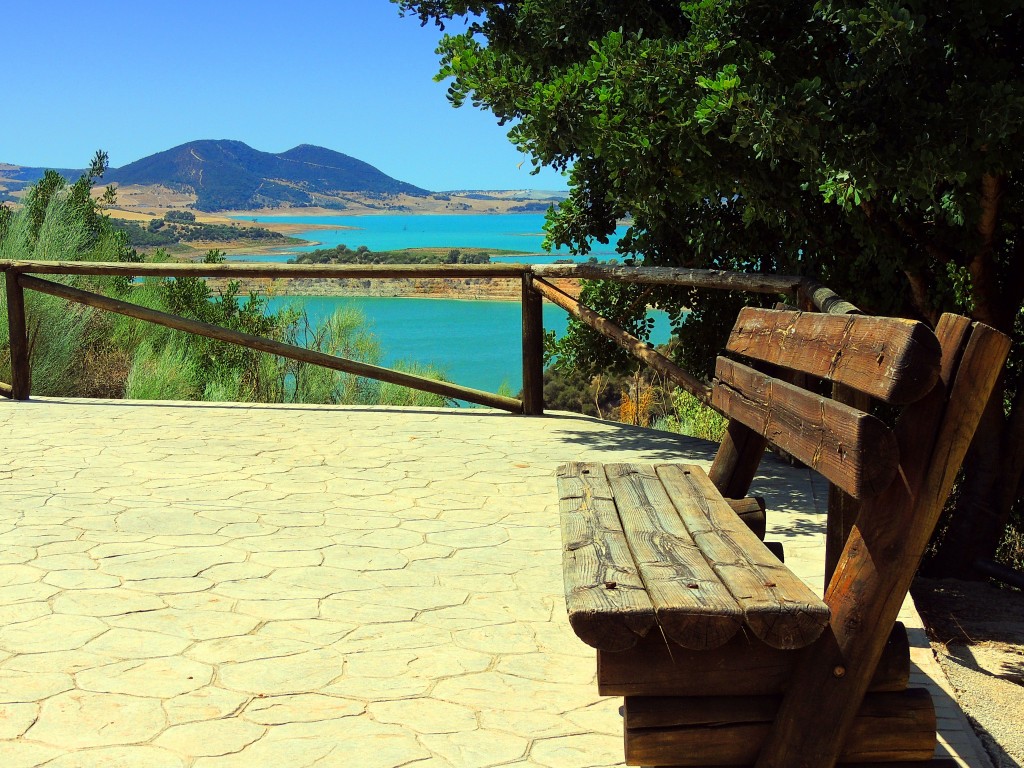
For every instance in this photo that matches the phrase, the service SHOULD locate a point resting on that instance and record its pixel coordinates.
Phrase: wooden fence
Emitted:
(536, 286)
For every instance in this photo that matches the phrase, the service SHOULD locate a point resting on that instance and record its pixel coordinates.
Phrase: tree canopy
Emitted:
(862, 141)
(874, 145)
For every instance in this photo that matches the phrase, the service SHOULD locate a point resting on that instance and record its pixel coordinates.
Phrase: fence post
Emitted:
(533, 349)
(842, 508)
(21, 376)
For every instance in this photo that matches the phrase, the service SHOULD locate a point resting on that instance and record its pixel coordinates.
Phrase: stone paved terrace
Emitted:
(309, 587)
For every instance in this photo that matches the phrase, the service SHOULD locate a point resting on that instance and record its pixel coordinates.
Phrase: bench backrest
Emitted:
(893, 360)
(903, 475)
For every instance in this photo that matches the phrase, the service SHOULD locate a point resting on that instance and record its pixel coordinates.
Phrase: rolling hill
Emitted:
(214, 176)
(230, 175)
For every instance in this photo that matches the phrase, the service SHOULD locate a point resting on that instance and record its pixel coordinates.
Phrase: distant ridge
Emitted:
(227, 175)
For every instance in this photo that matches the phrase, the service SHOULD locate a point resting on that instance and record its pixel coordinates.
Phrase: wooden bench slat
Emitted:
(645, 545)
(742, 667)
(892, 359)
(777, 606)
(853, 449)
(604, 594)
(730, 730)
(693, 607)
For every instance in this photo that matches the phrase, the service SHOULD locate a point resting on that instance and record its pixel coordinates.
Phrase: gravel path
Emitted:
(977, 633)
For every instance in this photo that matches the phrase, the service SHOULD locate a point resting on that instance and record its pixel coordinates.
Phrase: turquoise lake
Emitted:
(474, 343)
(508, 232)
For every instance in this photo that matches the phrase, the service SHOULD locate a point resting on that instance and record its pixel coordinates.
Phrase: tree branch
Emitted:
(984, 286)
(991, 192)
(940, 253)
(903, 230)
(920, 295)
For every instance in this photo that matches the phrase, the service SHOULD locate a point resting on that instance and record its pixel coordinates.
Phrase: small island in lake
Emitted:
(342, 254)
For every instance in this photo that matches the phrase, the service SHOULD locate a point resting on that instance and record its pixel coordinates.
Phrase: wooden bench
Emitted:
(724, 657)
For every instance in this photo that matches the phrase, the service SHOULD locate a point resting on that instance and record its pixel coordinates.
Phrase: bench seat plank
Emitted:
(604, 594)
(692, 605)
(777, 606)
(649, 547)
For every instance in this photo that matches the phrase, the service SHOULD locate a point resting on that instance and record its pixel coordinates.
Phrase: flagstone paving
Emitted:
(307, 587)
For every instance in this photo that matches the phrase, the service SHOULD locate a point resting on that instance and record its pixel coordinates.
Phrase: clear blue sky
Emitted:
(134, 77)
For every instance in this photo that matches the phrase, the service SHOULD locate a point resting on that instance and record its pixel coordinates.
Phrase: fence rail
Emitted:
(536, 286)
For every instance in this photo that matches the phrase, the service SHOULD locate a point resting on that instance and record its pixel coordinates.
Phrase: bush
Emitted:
(691, 417)
(167, 374)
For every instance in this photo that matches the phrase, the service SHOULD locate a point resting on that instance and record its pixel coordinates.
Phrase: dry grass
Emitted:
(154, 200)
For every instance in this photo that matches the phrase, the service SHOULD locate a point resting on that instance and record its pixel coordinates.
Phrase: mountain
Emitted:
(230, 175)
(227, 175)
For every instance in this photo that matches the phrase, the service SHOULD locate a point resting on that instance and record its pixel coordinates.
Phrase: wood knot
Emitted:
(610, 585)
(769, 584)
(693, 585)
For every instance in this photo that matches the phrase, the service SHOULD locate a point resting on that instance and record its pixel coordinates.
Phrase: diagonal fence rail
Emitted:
(269, 345)
(536, 285)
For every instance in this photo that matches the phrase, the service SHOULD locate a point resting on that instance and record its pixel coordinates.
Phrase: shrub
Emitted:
(691, 417)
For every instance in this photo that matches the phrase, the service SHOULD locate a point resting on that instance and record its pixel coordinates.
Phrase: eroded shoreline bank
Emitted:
(465, 288)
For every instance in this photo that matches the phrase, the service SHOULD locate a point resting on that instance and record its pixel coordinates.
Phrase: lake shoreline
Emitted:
(461, 289)
(500, 236)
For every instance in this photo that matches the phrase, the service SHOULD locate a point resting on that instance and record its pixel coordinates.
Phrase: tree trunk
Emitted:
(1013, 456)
(988, 490)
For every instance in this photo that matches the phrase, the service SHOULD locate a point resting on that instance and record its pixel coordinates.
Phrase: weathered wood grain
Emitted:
(892, 359)
(854, 450)
(262, 269)
(777, 606)
(698, 278)
(21, 372)
(742, 667)
(633, 531)
(533, 349)
(842, 507)
(605, 597)
(813, 295)
(442, 388)
(737, 459)
(730, 730)
(693, 607)
(883, 552)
